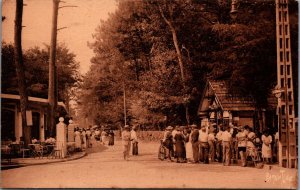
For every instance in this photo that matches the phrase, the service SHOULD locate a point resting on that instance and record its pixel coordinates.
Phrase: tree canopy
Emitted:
(135, 52)
(36, 62)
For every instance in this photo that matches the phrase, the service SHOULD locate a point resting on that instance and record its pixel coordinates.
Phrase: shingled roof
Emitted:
(218, 90)
(229, 101)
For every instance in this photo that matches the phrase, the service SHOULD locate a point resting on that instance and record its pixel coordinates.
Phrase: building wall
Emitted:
(246, 121)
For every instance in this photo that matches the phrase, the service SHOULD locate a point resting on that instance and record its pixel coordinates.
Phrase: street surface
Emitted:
(104, 167)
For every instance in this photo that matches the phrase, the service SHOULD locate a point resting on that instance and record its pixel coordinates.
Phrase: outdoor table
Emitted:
(36, 150)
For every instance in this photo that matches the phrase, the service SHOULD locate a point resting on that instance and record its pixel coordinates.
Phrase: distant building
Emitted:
(11, 120)
(217, 105)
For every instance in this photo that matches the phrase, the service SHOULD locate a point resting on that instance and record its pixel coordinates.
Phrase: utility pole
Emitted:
(286, 116)
(52, 91)
(124, 103)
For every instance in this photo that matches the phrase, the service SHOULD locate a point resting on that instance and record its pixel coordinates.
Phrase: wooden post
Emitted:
(124, 103)
(52, 92)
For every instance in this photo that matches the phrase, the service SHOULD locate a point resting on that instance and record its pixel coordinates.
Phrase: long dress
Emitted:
(189, 148)
(104, 137)
(266, 147)
(84, 139)
(77, 140)
(179, 144)
(111, 138)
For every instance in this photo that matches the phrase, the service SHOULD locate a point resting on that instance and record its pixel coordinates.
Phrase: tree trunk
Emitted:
(179, 57)
(52, 91)
(20, 70)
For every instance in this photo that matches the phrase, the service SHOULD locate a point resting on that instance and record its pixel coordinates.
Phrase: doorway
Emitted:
(35, 130)
(7, 124)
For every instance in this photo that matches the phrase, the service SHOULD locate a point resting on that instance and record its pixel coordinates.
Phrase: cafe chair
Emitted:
(24, 150)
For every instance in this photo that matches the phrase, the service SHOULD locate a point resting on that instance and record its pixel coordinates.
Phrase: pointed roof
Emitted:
(226, 101)
(229, 101)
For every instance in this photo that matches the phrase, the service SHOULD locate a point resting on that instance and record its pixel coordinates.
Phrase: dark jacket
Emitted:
(195, 136)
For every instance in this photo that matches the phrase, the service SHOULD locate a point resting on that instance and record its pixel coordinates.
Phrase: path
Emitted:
(108, 169)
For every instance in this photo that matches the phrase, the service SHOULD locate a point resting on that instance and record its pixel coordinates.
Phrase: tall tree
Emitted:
(20, 70)
(52, 92)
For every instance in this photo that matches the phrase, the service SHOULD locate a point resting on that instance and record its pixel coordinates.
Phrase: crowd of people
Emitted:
(84, 137)
(214, 143)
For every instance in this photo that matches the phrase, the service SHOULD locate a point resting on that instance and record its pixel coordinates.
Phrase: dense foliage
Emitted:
(36, 62)
(136, 51)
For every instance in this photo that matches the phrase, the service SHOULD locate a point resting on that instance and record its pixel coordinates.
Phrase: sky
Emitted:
(37, 19)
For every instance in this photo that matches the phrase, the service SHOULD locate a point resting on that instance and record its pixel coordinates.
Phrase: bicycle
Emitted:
(161, 151)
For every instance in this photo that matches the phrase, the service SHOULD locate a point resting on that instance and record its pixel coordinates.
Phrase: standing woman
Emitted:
(266, 146)
(111, 136)
(83, 133)
(189, 148)
(179, 144)
(77, 140)
(103, 136)
(242, 144)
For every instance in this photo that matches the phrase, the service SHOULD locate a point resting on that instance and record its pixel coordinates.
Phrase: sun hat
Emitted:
(169, 128)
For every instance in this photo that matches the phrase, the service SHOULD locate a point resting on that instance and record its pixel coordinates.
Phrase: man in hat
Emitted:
(204, 147)
(168, 142)
(219, 143)
(226, 142)
(126, 138)
(134, 139)
(211, 143)
(195, 143)
(174, 132)
(183, 130)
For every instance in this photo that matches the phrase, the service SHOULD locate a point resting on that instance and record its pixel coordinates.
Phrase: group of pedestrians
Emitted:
(104, 136)
(129, 139)
(214, 143)
(82, 138)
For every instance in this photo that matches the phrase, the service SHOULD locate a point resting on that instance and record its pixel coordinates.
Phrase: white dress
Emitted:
(189, 148)
(77, 140)
(266, 147)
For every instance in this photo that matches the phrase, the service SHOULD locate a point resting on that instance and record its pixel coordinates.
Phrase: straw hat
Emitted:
(169, 128)
(70, 121)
